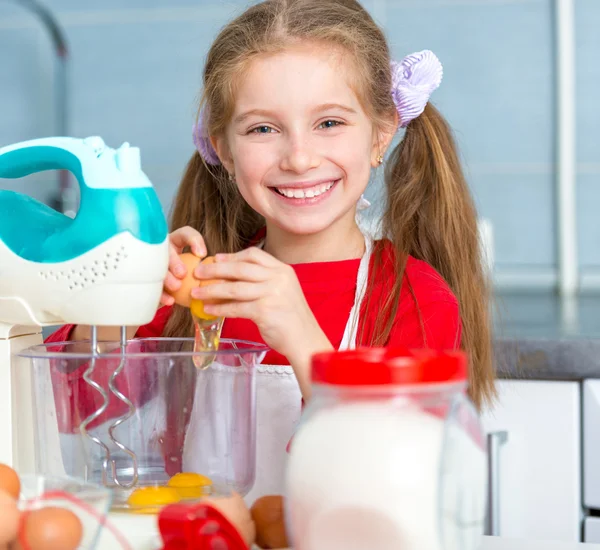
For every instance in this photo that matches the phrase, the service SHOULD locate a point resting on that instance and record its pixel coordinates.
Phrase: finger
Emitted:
(238, 291)
(233, 310)
(233, 270)
(176, 266)
(188, 236)
(167, 299)
(171, 282)
(252, 255)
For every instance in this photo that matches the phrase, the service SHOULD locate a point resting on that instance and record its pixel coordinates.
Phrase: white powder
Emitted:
(372, 476)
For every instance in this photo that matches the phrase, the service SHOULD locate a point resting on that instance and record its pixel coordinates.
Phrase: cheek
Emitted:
(251, 163)
(355, 155)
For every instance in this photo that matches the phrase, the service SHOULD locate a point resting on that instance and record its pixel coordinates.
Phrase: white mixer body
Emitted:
(117, 283)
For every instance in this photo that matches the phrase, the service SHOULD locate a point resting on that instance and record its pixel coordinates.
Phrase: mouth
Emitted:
(306, 194)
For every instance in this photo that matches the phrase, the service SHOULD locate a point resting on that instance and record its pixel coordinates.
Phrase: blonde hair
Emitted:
(429, 213)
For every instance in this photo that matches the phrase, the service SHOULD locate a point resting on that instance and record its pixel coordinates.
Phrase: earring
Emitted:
(380, 159)
(232, 177)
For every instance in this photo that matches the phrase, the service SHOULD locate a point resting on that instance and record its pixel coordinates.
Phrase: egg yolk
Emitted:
(197, 309)
(150, 498)
(190, 485)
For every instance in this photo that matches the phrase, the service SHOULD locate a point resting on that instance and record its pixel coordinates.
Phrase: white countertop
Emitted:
(142, 535)
(493, 543)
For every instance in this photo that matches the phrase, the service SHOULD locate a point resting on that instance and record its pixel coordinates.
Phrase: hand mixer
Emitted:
(105, 267)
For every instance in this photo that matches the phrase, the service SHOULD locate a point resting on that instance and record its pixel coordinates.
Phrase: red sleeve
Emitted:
(63, 334)
(75, 399)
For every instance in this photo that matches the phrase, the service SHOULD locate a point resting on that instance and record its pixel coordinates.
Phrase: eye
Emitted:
(261, 130)
(330, 124)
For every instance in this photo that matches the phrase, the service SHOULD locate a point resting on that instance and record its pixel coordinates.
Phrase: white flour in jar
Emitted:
(373, 476)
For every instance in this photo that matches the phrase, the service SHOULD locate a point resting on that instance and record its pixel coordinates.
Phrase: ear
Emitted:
(382, 138)
(223, 152)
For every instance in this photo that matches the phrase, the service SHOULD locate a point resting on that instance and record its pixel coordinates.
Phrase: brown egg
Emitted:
(235, 510)
(9, 518)
(9, 481)
(50, 528)
(267, 513)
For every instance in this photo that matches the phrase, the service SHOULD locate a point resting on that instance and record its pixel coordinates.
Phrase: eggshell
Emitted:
(268, 515)
(183, 294)
(9, 481)
(50, 528)
(235, 510)
(9, 518)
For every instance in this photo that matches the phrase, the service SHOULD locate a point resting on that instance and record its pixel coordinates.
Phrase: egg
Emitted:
(190, 485)
(148, 500)
(183, 296)
(197, 306)
(267, 513)
(9, 481)
(235, 510)
(50, 528)
(9, 518)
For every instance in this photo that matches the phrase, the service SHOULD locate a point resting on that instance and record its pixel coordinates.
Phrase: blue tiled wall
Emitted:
(135, 72)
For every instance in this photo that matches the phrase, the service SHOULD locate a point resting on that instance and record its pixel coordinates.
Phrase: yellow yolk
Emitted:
(197, 309)
(149, 499)
(190, 485)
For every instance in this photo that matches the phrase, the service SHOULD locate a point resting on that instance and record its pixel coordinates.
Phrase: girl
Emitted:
(301, 102)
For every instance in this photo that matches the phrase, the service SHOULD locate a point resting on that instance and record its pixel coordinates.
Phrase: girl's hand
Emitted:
(258, 287)
(178, 240)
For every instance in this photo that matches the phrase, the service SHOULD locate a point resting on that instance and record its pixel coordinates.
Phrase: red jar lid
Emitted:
(388, 366)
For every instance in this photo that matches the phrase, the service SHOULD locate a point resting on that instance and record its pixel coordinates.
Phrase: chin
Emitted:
(303, 227)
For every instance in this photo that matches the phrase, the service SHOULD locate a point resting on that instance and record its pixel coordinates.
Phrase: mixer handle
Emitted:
(23, 159)
(93, 163)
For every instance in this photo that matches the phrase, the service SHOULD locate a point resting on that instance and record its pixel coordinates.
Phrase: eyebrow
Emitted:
(319, 109)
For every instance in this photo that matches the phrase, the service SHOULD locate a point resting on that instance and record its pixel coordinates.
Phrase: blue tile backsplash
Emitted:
(135, 70)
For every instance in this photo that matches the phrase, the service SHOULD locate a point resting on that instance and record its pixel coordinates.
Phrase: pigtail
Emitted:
(207, 201)
(431, 216)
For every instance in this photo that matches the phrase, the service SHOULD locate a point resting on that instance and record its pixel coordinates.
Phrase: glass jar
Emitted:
(389, 455)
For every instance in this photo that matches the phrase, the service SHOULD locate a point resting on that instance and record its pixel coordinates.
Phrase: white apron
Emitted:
(279, 402)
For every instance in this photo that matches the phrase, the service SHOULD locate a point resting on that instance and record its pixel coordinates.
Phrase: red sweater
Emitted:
(329, 288)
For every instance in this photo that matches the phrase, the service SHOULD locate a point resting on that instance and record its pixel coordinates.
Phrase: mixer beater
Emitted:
(109, 465)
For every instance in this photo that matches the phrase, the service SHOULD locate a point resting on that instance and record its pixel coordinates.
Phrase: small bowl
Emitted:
(89, 502)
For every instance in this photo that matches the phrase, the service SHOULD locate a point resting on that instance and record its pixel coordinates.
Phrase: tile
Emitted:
(587, 20)
(23, 103)
(498, 81)
(588, 220)
(520, 207)
(139, 83)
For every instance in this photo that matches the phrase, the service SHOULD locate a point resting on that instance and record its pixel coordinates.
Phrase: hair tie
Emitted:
(414, 79)
(202, 141)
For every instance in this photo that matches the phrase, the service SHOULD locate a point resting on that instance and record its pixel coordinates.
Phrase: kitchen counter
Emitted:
(540, 336)
(494, 543)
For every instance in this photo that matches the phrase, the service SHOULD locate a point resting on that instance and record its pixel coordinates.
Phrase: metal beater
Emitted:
(108, 463)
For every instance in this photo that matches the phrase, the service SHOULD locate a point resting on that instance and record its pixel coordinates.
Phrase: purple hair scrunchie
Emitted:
(414, 79)
(202, 141)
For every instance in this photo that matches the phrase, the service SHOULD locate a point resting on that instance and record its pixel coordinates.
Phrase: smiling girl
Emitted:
(301, 102)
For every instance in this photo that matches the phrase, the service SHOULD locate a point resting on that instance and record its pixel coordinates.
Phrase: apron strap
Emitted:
(351, 330)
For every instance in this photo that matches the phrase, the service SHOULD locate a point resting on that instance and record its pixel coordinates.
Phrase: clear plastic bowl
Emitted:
(89, 502)
(136, 417)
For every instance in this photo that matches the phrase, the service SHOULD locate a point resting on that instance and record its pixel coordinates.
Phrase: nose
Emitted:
(299, 155)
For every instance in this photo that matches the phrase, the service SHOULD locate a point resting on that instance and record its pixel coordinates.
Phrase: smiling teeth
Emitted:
(309, 193)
